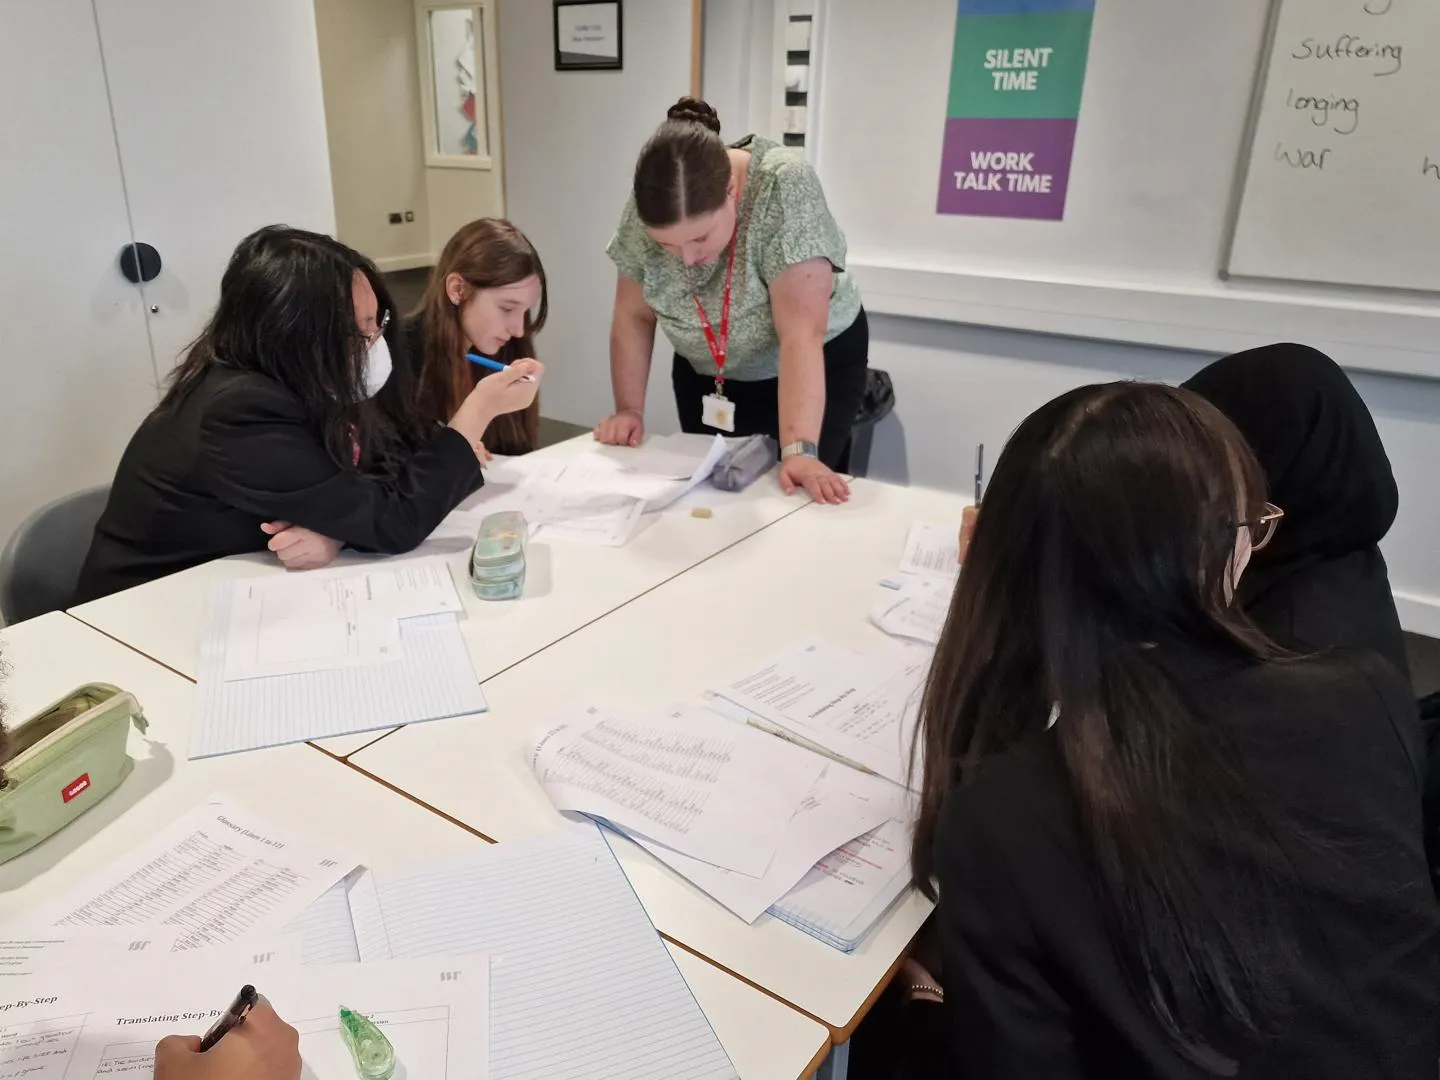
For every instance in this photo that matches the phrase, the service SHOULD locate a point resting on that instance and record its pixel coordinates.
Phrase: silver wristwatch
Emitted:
(799, 449)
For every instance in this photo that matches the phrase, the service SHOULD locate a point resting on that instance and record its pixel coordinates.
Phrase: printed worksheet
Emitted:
(917, 610)
(291, 624)
(81, 1025)
(861, 708)
(689, 780)
(211, 878)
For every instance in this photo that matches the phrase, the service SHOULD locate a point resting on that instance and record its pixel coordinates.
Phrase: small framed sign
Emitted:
(588, 36)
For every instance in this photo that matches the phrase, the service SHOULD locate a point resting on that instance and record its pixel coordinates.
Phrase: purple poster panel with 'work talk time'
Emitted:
(1016, 77)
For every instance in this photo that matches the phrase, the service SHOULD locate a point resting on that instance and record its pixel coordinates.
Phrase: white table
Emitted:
(567, 585)
(305, 791)
(815, 574)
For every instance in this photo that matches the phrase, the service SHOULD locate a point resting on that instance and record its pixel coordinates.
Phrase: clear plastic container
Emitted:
(497, 562)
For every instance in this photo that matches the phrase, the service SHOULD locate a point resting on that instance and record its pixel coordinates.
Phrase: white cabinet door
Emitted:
(221, 127)
(77, 369)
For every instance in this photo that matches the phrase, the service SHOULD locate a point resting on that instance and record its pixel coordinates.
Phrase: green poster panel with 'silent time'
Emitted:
(1020, 67)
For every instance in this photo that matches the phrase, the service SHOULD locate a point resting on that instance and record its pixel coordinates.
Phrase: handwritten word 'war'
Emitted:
(1350, 47)
(1297, 158)
(990, 169)
(1322, 108)
(1017, 69)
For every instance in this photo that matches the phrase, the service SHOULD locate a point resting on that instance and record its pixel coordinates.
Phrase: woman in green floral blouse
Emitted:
(733, 252)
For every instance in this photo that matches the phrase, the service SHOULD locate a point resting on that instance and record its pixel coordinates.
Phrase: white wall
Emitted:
(571, 139)
(956, 386)
(369, 70)
(369, 64)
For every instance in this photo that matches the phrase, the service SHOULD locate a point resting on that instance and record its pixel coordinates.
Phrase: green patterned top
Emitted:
(784, 220)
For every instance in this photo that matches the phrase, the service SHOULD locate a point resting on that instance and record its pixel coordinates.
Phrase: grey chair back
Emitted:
(41, 563)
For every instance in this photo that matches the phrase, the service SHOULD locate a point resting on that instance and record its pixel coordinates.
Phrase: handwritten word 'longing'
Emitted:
(1350, 47)
(1301, 159)
(990, 169)
(1321, 108)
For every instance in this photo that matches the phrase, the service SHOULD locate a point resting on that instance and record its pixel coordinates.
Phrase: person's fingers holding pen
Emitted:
(261, 1047)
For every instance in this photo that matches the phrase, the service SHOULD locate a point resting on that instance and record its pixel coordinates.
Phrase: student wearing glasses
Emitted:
(1162, 845)
(287, 426)
(1323, 583)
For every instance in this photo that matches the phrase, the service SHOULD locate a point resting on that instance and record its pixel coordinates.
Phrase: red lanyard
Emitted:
(717, 348)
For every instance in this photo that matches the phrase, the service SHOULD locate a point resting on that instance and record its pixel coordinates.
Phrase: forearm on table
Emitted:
(802, 389)
(632, 339)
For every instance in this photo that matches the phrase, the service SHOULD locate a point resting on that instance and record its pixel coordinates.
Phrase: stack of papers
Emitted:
(932, 550)
(288, 658)
(598, 496)
(916, 611)
(861, 710)
(740, 813)
(570, 945)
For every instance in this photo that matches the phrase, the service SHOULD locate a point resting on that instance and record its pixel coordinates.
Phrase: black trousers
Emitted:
(757, 403)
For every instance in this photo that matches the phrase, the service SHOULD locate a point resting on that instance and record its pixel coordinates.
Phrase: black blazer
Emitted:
(1033, 984)
(198, 480)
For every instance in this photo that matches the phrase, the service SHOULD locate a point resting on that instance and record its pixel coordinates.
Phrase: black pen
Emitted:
(979, 472)
(243, 1003)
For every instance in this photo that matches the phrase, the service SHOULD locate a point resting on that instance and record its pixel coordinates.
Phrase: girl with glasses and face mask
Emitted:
(288, 425)
(1161, 846)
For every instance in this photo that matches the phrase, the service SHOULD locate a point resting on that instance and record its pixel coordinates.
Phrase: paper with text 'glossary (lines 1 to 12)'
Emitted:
(216, 876)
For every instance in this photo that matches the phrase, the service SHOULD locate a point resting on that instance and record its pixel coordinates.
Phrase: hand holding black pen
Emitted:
(255, 1045)
(971, 514)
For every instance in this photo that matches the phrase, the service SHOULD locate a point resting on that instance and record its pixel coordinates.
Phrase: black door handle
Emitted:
(139, 262)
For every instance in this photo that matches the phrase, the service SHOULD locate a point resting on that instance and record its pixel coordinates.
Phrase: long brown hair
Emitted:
(684, 169)
(489, 254)
(1103, 554)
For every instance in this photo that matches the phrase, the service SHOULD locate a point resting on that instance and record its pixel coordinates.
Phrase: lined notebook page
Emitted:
(433, 680)
(848, 891)
(582, 988)
(325, 931)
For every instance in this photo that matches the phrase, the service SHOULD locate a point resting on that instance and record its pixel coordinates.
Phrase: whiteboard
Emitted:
(1343, 177)
(1163, 128)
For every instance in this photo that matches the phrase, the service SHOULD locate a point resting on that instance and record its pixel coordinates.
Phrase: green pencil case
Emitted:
(62, 761)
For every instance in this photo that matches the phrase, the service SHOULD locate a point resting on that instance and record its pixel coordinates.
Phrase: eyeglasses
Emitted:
(1262, 529)
(371, 339)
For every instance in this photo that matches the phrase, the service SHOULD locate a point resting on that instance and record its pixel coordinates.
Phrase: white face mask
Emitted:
(377, 366)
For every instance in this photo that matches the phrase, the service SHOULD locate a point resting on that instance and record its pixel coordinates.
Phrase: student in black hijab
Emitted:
(1322, 582)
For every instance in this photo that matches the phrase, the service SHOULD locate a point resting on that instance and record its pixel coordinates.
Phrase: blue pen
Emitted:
(484, 361)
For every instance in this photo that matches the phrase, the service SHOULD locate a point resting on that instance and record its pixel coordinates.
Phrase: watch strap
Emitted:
(799, 449)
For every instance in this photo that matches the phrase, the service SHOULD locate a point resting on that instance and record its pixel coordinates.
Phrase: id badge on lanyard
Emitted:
(716, 409)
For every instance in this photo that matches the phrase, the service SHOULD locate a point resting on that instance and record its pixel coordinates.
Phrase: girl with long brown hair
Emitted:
(486, 295)
(1162, 847)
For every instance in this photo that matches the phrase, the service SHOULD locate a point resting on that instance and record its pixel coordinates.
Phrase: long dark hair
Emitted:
(489, 254)
(287, 312)
(1103, 552)
(684, 170)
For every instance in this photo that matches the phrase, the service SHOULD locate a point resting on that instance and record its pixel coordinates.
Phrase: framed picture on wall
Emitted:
(588, 36)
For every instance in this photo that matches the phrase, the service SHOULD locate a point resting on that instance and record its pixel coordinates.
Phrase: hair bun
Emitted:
(694, 111)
